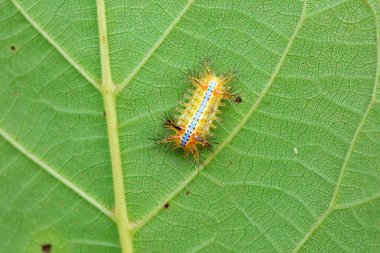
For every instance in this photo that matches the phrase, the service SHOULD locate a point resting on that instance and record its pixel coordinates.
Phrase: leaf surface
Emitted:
(296, 166)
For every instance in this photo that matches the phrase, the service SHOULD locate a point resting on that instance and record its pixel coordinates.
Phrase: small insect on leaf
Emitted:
(192, 127)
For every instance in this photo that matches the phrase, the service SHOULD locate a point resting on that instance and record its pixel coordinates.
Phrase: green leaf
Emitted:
(296, 166)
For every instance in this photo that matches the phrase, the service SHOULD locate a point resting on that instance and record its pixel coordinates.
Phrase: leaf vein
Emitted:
(350, 150)
(137, 69)
(55, 45)
(50, 170)
(268, 85)
(358, 203)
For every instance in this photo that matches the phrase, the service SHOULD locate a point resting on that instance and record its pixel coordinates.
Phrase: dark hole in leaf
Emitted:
(187, 192)
(13, 48)
(46, 247)
(166, 206)
(238, 99)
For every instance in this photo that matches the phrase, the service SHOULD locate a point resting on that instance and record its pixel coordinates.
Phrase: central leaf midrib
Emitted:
(109, 98)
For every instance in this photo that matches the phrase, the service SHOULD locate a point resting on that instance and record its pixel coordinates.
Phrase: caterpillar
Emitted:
(192, 126)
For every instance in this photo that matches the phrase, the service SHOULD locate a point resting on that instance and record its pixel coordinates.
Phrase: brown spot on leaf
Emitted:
(238, 99)
(166, 206)
(46, 247)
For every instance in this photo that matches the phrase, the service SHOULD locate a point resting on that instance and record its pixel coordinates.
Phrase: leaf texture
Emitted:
(296, 167)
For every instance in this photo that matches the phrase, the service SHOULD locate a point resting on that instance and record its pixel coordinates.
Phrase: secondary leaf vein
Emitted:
(372, 102)
(55, 45)
(260, 98)
(54, 173)
(155, 47)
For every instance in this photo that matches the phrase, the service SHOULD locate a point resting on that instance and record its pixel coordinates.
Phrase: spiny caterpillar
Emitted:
(192, 127)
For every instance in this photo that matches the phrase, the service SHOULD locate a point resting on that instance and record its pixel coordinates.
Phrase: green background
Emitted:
(296, 166)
